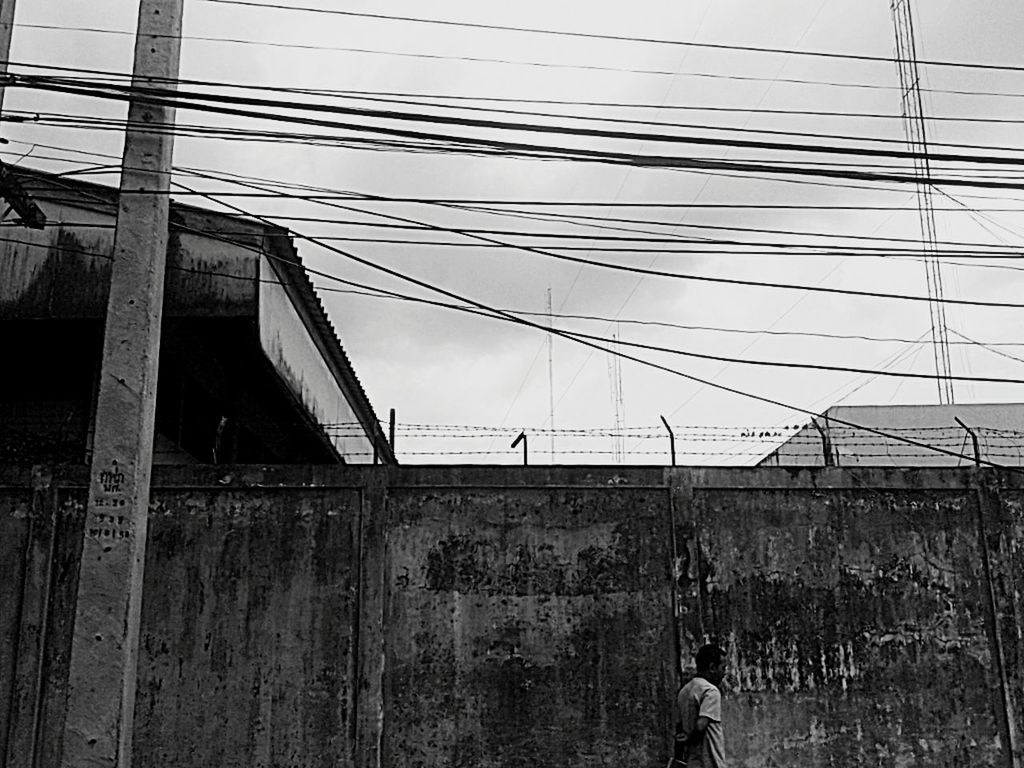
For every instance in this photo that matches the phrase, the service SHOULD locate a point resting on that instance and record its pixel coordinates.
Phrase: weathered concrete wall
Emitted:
(527, 626)
(41, 524)
(505, 616)
(15, 506)
(855, 622)
(246, 654)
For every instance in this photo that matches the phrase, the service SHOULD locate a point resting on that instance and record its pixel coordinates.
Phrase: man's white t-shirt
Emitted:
(699, 698)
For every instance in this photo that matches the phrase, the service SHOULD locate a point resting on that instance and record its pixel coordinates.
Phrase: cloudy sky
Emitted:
(441, 367)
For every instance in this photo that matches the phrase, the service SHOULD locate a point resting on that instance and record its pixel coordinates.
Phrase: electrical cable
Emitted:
(373, 293)
(658, 244)
(703, 278)
(192, 100)
(622, 38)
(409, 97)
(750, 174)
(490, 312)
(53, 117)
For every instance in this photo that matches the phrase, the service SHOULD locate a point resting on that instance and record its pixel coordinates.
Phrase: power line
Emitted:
(759, 172)
(684, 327)
(490, 312)
(718, 358)
(589, 155)
(810, 288)
(648, 363)
(44, 118)
(676, 275)
(578, 335)
(405, 97)
(652, 272)
(745, 169)
(781, 364)
(485, 59)
(725, 280)
(618, 38)
(191, 100)
(658, 244)
(56, 118)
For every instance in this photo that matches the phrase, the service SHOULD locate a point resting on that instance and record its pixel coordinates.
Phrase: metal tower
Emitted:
(551, 375)
(618, 407)
(917, 141)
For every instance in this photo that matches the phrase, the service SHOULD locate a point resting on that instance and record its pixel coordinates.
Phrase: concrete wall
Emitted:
(855, 622)
(524, 616)
(247, 641)
(527, 626)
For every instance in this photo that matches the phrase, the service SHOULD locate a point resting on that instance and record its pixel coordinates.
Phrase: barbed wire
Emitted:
(794, 432)
(744, 454)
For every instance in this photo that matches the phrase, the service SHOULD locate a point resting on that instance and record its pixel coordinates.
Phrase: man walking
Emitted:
(699, 741)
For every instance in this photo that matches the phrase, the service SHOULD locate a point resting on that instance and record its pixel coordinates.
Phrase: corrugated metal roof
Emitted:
(271, 240)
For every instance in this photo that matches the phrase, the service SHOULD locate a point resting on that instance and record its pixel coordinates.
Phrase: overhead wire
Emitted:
(483, 59)
(634, 243)
(491, 313)
(415, 98)
(214, 102)
(685, 327)
(620, 38)
(748, 173)
(926, 377)
(663, 273)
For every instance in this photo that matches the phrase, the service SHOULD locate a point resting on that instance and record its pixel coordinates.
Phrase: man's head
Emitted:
(711, 663)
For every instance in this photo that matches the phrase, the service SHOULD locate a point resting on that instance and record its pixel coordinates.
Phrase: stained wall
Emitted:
(533, 616)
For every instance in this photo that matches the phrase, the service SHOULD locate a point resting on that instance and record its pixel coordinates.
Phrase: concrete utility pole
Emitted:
(101, 684)
(6, 28)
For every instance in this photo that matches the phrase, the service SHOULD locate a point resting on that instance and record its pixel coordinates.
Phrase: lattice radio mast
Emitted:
(618, 408)
(551, 375)
(917, 141)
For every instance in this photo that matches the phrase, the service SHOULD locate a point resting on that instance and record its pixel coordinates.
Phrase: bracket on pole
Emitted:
(19, 200)
(974, 440)
(826, 444)
(517, 441)
(671, 439)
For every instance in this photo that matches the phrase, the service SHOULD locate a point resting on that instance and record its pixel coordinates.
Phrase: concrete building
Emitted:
(831, 440)
(251, 369)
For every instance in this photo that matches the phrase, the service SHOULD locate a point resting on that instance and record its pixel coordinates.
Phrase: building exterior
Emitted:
(831, 440)
(251, 369)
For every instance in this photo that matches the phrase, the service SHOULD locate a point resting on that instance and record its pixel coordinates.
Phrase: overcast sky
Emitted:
(440, 367)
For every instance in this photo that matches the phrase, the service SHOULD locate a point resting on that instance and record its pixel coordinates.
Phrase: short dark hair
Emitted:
(708, 656)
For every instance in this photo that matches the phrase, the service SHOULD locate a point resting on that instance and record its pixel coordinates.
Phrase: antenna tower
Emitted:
(551, 376)
(615, 380)
(917, 141)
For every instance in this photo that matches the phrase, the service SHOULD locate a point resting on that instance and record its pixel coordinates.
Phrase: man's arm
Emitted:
(697, 733)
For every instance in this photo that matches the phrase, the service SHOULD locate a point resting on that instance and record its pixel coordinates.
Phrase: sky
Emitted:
(463, 386)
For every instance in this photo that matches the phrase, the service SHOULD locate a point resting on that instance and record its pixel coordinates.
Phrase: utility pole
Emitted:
(6, 28)
(102, 675)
